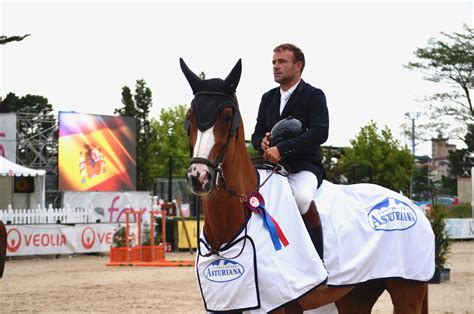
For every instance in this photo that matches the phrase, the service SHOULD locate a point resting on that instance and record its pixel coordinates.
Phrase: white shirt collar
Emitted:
(287, 93)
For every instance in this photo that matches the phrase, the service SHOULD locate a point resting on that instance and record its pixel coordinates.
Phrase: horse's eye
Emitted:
(226, 118)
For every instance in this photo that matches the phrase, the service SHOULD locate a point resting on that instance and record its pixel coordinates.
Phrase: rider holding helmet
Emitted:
(298, 143)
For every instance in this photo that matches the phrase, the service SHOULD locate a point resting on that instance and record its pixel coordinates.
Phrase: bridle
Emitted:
(217, 171)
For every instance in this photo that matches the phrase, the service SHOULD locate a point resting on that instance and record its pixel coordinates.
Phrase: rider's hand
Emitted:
(265, 141)
(272, 154)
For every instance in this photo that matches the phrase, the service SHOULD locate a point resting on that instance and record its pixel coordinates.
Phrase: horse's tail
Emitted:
(3, 247)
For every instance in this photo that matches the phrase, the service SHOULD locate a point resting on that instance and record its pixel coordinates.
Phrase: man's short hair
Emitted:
(298, 55)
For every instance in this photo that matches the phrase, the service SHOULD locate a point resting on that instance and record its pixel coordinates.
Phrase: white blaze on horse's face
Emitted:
(199, 174)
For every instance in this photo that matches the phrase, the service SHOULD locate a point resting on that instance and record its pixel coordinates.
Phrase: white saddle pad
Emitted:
(372, 232)
(232, 282)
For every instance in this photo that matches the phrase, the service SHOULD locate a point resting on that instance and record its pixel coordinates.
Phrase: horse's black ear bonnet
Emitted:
(212, 96)
(285, 129)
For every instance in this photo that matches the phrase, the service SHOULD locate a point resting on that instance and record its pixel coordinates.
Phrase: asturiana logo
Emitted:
(223, 270)
(392, 214)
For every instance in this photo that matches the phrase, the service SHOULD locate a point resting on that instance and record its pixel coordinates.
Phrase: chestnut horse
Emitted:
(3, 247)
(222, 173)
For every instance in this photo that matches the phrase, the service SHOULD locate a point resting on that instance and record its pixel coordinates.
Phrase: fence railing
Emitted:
(48, 215)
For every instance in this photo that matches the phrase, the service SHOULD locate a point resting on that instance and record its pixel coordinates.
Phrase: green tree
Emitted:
(138, 106)
(449, 60)
(377, 158)
(37, 118)
(171, 140)
(461, 160)
(331, 156)
(5, 39)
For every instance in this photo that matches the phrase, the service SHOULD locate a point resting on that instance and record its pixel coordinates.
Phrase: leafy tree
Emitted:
(32, 108)
(449, 60)
(5, 39)
(331, 156)
(461, 160)
(377, 158)
(138, 106)
(171, 140)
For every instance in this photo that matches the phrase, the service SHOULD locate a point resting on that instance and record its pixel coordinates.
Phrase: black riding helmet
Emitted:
(285, 129)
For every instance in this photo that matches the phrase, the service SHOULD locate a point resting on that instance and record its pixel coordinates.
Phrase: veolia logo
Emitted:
(88, 238)
(13, 240)
(392, 214)
(223, 270)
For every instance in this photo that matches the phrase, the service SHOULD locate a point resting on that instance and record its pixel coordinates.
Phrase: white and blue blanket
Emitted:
(370, 232)
(262, 278)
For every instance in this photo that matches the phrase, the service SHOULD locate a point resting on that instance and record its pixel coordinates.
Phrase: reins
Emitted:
(218, 174)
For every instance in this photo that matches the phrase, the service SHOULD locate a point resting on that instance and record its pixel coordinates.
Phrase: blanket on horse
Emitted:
(251, 274)
(372, 232)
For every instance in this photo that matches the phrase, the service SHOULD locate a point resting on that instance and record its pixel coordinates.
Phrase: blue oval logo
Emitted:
(392, 214)
(223, 270)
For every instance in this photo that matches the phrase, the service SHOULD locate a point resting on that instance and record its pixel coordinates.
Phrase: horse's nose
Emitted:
(199, 178)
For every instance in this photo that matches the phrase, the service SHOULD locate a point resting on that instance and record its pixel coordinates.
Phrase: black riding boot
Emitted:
(312, 222)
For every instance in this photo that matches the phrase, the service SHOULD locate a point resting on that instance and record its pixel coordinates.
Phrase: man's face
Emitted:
(284, 70)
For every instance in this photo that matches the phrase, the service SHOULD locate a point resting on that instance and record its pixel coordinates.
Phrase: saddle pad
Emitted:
(372, 232)
(282, 275)
(230, 282)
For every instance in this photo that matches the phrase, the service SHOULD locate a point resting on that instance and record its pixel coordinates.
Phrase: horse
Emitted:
(3, 247)
(223, 175)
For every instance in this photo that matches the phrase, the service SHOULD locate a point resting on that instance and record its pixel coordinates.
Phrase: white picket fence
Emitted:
(48, 215)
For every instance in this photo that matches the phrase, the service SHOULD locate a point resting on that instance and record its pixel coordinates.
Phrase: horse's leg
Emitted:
(321, 297)
(290, 308)
(3, 247)
(362, 298)
(408, 296)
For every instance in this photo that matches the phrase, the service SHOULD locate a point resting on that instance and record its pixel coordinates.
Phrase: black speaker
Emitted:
(24, 185)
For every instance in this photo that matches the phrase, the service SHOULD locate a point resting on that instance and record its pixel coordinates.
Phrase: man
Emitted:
(297, 99)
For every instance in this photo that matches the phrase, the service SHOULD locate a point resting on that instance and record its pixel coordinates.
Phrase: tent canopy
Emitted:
(8, 168)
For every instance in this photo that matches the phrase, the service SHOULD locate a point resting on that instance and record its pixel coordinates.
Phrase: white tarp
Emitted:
(61, 239)
(8, 170)
(110, 206)
(8, 136)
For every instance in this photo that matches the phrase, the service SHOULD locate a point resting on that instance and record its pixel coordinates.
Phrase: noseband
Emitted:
(216, 166)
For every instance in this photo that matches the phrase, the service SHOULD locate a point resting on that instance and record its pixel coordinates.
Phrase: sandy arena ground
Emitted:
(84, 284)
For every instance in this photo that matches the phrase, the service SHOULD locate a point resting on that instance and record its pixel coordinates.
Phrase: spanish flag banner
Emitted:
(96, 152)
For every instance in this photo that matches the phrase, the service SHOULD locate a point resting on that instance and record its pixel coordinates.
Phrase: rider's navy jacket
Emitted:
(307, 104)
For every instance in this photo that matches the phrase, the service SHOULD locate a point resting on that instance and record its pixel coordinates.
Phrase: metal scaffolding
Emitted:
(37, 147)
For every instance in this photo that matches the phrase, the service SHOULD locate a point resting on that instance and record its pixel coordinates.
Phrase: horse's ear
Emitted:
(192, 78)
(233, 78)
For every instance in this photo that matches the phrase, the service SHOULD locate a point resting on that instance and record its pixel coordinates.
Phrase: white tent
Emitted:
(8, 170)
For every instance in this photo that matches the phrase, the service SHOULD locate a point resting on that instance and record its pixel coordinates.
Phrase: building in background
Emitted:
(439, 157)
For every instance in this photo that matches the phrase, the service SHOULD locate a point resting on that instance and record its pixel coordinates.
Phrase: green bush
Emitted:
(442, 243)
(456, 211)
(146, 234)
(118, 240)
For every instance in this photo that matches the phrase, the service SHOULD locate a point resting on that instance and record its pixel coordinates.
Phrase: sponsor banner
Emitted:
(191, 226)
(60, 239)
(8, 136)
(110, 206)
(96, 152)
(392, 214)
(460, 228)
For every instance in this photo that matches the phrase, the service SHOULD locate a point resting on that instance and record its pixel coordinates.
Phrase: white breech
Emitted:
(304, 184)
